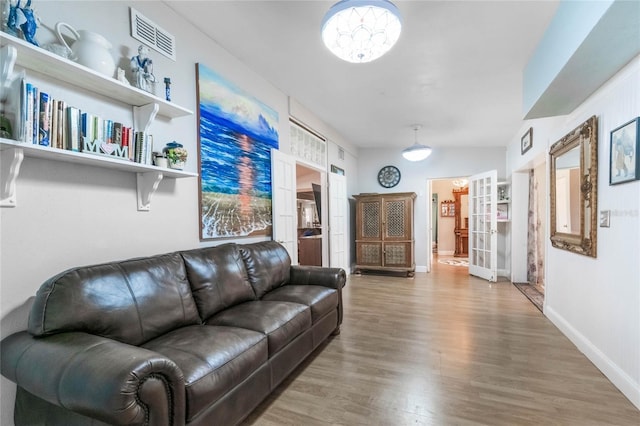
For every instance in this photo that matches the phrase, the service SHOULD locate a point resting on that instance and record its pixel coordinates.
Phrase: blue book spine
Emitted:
(44, 122)
(35, 128)
(108, 131)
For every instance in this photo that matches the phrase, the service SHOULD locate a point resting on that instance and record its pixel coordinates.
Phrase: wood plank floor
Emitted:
(444, 349)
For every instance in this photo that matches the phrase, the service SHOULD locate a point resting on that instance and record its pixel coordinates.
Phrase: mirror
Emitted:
(574, 189)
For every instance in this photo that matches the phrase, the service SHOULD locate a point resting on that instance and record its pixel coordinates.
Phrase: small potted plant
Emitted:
(176, 155)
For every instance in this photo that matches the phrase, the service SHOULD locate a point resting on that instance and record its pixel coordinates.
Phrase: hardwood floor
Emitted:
(444, 349)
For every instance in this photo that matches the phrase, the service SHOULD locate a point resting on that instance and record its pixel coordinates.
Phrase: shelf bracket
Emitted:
(11, 160)
(143, 116)
(147, 185)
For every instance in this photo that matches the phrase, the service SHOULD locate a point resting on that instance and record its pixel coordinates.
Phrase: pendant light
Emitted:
(416, 152)
(361, 31)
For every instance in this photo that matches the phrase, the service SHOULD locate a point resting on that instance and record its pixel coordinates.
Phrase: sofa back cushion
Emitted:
(268, 265)
(131, 301)
(218, 278)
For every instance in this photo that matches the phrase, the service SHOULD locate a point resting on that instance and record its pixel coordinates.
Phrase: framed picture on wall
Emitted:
(623, 153)
(447, 209)
(526, 142)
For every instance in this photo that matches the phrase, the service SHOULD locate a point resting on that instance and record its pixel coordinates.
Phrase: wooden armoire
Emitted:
(384, 232)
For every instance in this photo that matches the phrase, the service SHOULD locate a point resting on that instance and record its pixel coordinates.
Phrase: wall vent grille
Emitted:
(146, 31)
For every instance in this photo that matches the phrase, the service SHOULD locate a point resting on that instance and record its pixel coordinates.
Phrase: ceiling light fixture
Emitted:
(416, 152)
(460, 183)
(361, 31)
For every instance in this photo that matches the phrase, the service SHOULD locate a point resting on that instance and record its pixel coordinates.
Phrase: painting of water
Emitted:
(236, 134)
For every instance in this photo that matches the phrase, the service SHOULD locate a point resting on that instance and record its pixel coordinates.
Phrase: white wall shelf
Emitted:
(54, 66)
(503, 202)
(145, 107)
(13, 153)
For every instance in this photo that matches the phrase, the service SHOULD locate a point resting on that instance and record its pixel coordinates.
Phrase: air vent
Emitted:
(340, 153)
(146, 31)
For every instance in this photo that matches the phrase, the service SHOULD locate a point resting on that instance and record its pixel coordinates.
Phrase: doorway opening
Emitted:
(449, 221)
(309, 216)
(529, 277)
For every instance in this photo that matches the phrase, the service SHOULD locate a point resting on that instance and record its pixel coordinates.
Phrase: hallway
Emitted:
(445, 348)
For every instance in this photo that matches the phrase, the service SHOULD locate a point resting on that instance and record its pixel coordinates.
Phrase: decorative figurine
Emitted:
(24, 19)
(11, 12)
(167, 89)
(121, 76)
(142, 68)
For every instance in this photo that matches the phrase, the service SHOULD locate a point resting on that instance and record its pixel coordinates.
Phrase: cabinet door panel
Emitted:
(369, 254)
(397, 219)
(369, 212)
(398, 254)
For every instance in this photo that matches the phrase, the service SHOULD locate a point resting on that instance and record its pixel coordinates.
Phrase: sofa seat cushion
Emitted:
(281, 322)
(321, 300)
(213, 360)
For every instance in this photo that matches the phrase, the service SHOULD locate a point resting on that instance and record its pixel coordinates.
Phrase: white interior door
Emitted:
(284, 209)
(483, 235)
(338, 208)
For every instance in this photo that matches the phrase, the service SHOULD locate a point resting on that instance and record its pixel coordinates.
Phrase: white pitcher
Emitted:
(91, 49)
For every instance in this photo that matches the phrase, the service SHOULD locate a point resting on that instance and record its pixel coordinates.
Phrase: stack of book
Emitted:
(51, 122)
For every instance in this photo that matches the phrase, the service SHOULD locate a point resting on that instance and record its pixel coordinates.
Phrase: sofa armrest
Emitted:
(318, 275)
(326, 277)
(97, 377)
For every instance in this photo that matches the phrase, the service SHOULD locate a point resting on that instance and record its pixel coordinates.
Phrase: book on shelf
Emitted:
(143, 148)
(28, 131)
(35, 119)
(117, 133)
(62, 125)
(44, 127)
(53, 126)
(108, 131)
(74, 130)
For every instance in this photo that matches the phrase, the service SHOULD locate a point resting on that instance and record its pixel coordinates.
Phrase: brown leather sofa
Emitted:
(197, 337)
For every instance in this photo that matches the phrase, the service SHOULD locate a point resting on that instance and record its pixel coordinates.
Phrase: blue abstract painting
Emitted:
(236, 134)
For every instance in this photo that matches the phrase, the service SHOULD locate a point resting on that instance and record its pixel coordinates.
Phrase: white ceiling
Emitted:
(456, 70)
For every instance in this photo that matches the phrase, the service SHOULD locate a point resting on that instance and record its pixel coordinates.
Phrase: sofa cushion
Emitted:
(321, 300)
(130, 301)
(268, 265)
(218, 278)
(280, 321)
(213, 360)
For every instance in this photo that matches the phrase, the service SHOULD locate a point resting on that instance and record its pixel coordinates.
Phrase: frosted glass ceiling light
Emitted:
(361, 31)
(416, 152)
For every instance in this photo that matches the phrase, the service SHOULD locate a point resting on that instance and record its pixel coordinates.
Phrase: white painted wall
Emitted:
(71, 215)
(443, 163)
(596, 302)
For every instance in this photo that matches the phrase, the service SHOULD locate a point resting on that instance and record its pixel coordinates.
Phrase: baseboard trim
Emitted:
(617, 376)
(445, 252)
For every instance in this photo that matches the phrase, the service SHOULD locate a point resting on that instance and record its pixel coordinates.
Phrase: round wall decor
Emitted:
(389, 176)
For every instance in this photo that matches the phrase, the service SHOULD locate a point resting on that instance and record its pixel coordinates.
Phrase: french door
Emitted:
(483, 234)
(283, 197)
(338, 217)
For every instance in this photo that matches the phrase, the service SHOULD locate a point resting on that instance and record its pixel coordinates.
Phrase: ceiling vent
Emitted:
(146, 31)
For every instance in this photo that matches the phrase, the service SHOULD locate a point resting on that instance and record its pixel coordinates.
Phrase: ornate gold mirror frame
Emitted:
(574, 189)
